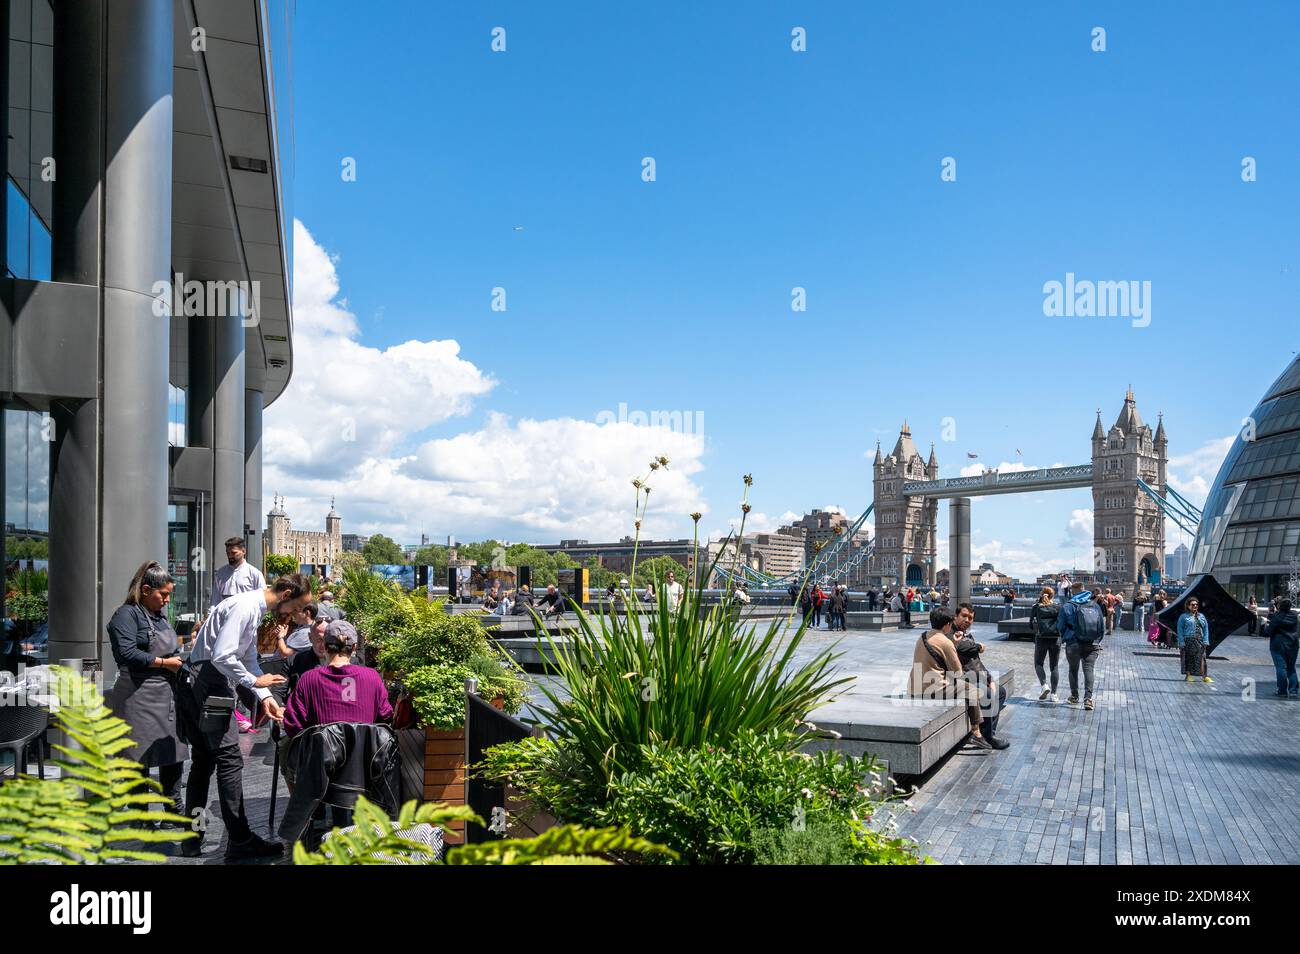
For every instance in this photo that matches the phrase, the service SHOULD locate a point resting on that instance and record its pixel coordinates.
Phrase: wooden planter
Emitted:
(433, 770)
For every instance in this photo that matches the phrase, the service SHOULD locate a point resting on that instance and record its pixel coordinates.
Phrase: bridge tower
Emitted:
(1128, 529)
(906, 527)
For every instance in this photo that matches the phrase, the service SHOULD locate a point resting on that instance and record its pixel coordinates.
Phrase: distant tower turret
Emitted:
(1128, 527)
(905, 526)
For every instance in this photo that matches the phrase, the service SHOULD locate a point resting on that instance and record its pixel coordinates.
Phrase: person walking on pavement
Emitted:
(1081, 626)
(1047, 642)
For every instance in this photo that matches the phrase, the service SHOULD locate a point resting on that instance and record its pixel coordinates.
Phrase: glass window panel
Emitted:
(27, 473)
(40, 252)
(16, 230)
(1288, 380)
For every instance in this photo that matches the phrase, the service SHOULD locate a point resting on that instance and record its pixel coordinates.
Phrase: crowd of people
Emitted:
(946, 660)
(186, 709)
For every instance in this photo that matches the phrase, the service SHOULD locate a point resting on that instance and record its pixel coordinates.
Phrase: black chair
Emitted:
(23, 723)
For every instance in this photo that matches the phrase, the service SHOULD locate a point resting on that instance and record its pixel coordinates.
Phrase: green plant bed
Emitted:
(429, 653)
(754, 800)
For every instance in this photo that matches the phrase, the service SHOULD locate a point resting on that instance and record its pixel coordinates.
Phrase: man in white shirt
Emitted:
(238, 575)
(222, 664)
(674, 591)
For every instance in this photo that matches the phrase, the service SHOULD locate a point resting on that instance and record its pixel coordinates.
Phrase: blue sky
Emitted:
(778, 169)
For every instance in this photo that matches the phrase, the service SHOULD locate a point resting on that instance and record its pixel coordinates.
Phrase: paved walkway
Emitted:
(1161, 772)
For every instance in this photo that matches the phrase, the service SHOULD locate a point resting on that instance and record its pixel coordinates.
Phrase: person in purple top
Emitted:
(337, 691)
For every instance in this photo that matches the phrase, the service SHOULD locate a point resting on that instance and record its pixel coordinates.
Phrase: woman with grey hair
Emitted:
(146, 650)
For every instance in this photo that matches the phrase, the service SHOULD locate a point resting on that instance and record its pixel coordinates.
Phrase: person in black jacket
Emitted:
(968, 651)
(1283, 644)
(1047, 642)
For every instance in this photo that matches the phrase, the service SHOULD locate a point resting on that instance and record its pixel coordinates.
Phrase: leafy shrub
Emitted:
(365, 597)
(278, 564)
(419, 633)
(819, 844)
(438, 695)
(375, 841)
(86, 815)
(34, 607)
(432, 653)
(712, 805)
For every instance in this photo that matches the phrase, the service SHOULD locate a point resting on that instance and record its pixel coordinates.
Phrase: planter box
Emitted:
(433, 770)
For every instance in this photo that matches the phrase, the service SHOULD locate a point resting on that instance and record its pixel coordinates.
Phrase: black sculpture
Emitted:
(1224, 614)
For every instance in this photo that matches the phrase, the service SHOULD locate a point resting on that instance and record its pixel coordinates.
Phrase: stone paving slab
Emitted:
(1161, 772)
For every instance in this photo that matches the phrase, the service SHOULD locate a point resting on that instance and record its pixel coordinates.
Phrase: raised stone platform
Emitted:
(1016, 628)
(877, 621)
(909, 735)
(876, 715)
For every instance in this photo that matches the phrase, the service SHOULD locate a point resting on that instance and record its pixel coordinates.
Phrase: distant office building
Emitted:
(354, 542)
(824, 528)
(308, 546)
(777, 554)
(1178, 562)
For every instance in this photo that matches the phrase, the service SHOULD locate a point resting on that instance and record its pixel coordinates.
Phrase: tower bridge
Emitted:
(1127, 475)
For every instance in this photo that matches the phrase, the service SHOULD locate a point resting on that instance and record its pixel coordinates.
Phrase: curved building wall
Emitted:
(1250, 532)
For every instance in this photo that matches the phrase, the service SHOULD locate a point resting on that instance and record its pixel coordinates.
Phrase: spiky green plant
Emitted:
(683, 677)
(375, 840)
(85, 816)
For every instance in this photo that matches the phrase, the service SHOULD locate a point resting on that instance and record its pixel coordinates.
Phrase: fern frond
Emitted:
(563, 841)
(81, 817)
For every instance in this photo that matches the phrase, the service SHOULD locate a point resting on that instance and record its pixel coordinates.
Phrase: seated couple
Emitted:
(946, 665)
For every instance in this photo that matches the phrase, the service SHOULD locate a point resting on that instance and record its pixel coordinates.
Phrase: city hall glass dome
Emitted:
(1249, 537)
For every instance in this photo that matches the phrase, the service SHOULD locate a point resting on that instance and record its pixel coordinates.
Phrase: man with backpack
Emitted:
(1081, 624)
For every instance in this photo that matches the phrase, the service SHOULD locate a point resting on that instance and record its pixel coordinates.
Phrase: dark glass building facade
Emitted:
(1249, 537)
(145, 300)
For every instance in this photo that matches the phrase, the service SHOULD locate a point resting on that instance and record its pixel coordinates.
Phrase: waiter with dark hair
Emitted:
(223, 664)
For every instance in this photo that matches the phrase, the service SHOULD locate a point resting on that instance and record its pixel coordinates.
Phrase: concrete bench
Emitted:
(878, 621)
(909, 735)
(1016, 628)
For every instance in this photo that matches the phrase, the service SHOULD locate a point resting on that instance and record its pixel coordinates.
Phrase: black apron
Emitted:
(147, 701)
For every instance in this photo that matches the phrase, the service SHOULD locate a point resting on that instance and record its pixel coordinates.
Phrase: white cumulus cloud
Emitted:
(350, 426)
